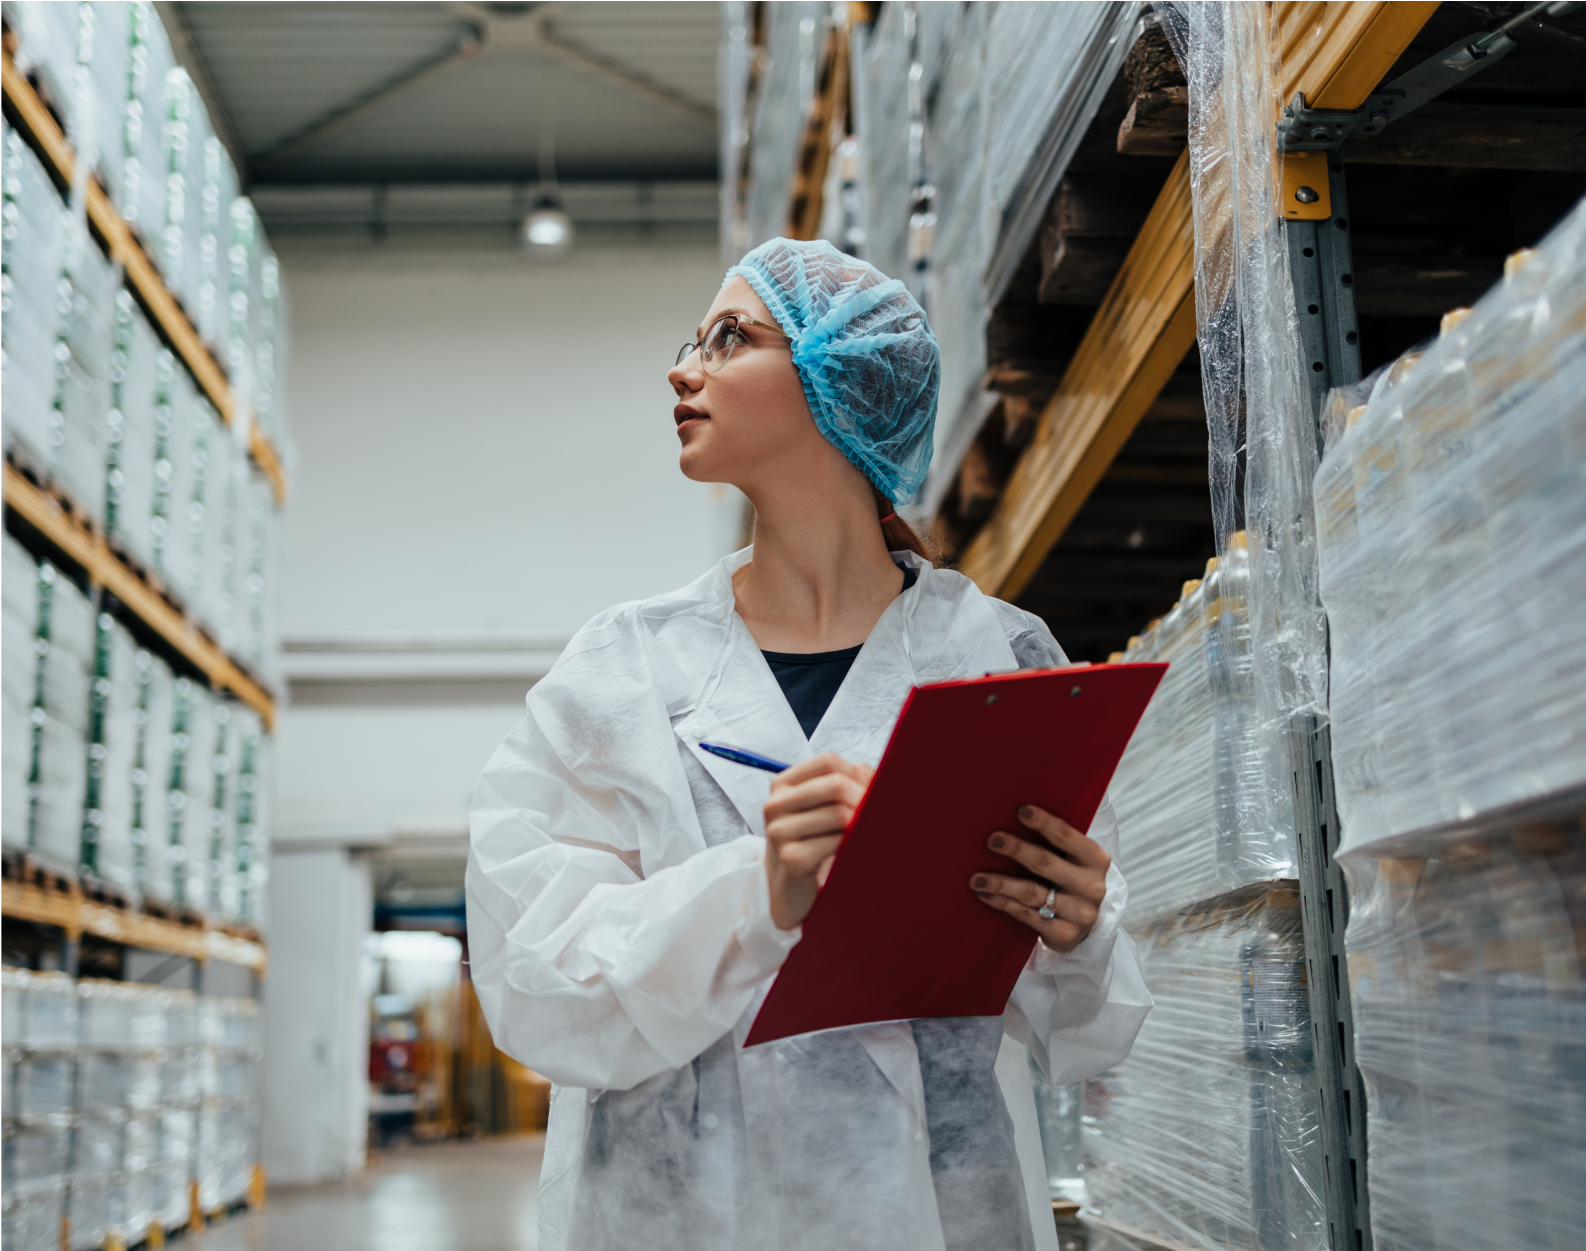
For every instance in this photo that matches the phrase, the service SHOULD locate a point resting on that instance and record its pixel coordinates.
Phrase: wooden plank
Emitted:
(142, 278)
(1136, 340)
(104, 568)
(23, 901)
(1478, 136)
(1335, 53)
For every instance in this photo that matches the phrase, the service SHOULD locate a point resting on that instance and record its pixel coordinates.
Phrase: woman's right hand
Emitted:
(810, 806)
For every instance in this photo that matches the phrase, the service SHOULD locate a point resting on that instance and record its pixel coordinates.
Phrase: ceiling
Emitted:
(314, 94)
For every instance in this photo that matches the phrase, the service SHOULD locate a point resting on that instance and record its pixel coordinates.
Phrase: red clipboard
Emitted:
(896, 933)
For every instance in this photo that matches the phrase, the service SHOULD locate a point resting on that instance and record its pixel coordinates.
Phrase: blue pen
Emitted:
(739, 756)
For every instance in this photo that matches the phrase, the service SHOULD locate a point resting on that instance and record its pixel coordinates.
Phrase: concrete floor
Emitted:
(464, 1196)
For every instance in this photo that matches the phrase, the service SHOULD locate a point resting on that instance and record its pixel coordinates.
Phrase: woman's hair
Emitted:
(900, 536)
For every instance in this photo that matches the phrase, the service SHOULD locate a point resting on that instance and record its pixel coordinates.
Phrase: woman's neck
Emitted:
(821, 576)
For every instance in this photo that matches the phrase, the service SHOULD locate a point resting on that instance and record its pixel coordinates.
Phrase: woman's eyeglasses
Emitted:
(725, 333)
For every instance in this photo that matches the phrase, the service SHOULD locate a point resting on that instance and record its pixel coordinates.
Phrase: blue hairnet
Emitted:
(864, 352)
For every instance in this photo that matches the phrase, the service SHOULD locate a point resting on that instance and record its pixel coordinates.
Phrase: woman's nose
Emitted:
(686, 376)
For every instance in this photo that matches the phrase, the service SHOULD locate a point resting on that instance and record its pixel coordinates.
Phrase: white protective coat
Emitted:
(621, 942)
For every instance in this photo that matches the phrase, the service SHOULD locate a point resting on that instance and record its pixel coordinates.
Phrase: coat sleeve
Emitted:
(1078, 1011)
(589, 971)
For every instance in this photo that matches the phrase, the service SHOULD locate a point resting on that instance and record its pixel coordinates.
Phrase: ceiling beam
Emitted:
(1336, 54)
(464, 47)
(534, 29)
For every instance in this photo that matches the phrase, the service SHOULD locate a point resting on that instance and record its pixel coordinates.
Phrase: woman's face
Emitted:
(750, 418)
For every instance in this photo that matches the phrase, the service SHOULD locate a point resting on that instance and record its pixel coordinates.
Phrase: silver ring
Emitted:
(1046, 913)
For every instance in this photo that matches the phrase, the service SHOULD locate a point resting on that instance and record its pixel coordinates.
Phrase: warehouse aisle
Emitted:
(472, 1196)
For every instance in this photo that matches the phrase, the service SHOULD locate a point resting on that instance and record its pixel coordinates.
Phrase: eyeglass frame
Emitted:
(698, 345)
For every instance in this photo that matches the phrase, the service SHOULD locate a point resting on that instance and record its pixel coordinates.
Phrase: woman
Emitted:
(623, 924)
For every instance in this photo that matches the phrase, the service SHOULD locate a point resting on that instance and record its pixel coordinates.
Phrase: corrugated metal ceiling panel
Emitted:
(280, 68)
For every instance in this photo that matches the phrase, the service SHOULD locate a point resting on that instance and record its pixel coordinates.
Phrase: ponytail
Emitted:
(900, 536)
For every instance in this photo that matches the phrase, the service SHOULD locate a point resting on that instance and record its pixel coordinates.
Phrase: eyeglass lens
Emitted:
(716, 347)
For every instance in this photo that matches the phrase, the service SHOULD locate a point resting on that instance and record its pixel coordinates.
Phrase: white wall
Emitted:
(484, 442)
(485, 459)
(316, 1021)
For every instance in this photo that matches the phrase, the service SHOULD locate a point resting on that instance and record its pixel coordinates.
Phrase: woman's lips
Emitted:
(682, 414)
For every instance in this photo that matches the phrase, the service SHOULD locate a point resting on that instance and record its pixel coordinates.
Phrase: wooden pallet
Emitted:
(33, 892)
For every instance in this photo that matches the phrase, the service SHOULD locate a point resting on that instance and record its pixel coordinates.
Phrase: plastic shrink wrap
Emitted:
(252, 818)
(103, 52)
(47, 39)
(1260, 424)
(185, 130)
(1054, 64)
(887, 104)
(153, 867)
(144, 164)
(957, 126)
(19, 675)
(1207, 1136)
(120, 1059)
(221, 860)
(35, 225)
(795, 35)
(38, 1028)
(176, 1143)
(1451, 524)
(177, 420)
(60, 769)
(190, 797)
(107, 848)
(1468, 978)
(229, 1110)
(80, 401)
(271, 338)
(1202, 795)
(1451, 508)
(129, 496)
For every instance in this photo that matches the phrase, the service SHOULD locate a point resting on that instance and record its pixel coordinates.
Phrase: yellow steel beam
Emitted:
(122, 246)
(1335, 53)
(88, 549)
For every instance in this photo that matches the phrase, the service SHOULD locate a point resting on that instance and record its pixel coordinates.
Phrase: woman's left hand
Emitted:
(1078, 877)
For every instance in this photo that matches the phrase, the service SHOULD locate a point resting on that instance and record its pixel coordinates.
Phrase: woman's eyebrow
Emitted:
(699, 330)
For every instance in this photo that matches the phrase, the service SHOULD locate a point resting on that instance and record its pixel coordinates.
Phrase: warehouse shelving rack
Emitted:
(28, 113)
(1334, 56)
(53, 525)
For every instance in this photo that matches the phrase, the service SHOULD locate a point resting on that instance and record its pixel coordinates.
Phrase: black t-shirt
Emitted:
(810, 679)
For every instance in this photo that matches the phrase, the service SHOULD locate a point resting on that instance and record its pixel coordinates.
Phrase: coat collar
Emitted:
(939, 629)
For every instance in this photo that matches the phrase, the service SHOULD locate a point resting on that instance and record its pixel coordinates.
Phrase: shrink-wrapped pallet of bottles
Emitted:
(1452, 530)
(116, 766)
(125, 1107)
(1451, 518)
(1202, 795)
(92, 402)
(1208, 1135)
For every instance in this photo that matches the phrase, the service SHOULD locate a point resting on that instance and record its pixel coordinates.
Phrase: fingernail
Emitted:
(996, 842)
(979, 883)
(1026, 813)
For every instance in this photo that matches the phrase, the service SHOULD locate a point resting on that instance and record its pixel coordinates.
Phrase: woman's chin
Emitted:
(695, 464)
